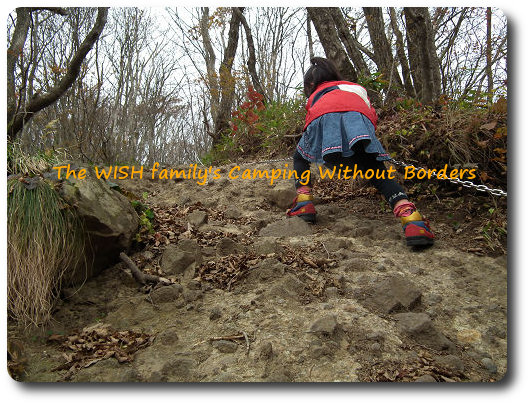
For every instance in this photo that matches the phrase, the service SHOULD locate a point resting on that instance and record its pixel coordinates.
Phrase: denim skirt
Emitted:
(338, 132)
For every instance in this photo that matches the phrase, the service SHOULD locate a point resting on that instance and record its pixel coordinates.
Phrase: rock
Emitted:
(165, 294)
(375, 346)
(420, 327)
(293, 285)
(355, 264)
(227, 246)
(265, 270)
(320, 349)
(326, 326)
(282, 195)
(451, 363)
(215, 314)
(265, 351)
(232, 213)
(168, 337)
(489, 365)
(416, 270)
(414, 323)
(225, 346)
(394, 294)
(287, 227)
(194, 285)
(265, 246)
(197, 218)
(110, 223)
(191, 295)
(377, 336)
(182, 259)
(178, 369)
(426, 378)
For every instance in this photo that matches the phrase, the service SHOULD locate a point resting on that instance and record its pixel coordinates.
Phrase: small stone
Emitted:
(420, 327)
(165, 294)
(191, 295)
(377, 336)
(215, 314)
(450, 362)
(416, 270)
(194, 285)
(265, 351)
(413, 323)
(225, 346)
(380, 267)
(168, 336)
(197, 218)
(287, 227)
(489, 365)
(326, 325)
(375, 346)
(265, 246)
(232, 213)
(227, 246)
(395, 294)
(426, 378)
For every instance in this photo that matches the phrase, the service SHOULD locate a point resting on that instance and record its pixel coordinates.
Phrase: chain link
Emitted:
(464, 183)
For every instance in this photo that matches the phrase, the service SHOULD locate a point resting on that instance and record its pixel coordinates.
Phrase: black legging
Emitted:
(390, 189)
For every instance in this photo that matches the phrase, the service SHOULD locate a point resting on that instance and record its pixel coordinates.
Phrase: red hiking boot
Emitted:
(303, 207)
(416, 227)
(417, 230)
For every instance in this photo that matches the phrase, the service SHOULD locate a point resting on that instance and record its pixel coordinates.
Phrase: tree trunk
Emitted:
(349, 43)
(330, 41)
(14, 51)
(489, 73)
(423, 61)
(382, 51)
(226, 80)
(400, 45)
(209, 59)
(309, 36)
(16, 121)
(251, 62)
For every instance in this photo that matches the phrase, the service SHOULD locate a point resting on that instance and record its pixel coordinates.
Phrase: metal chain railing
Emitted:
(464, 183)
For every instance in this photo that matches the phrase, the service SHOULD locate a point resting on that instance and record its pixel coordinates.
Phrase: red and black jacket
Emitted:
(339, 96)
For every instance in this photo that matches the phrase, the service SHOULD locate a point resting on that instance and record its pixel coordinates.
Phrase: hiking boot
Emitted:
(417, 230)
(303, 207)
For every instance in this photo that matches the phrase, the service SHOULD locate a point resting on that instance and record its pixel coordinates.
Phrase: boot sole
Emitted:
(311, 218)
(419, 241)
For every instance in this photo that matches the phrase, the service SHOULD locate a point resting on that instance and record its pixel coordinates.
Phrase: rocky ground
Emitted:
(252, 296)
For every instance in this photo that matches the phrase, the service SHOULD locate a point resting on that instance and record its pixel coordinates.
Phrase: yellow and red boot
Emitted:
(302, 205)
(416, 227)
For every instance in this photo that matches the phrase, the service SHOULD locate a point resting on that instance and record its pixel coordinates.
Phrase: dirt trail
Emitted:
(262, 298)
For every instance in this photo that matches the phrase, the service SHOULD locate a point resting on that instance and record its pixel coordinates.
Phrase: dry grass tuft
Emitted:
(44, 238)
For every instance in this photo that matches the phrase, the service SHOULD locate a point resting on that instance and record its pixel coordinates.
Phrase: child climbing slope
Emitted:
(340, 132)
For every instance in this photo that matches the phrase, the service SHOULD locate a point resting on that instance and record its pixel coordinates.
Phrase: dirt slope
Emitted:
(261, 298)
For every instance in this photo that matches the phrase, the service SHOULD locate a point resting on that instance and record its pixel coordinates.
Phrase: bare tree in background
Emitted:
(424, 64)
(18, 113)
(382, 52)
(329, 38)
